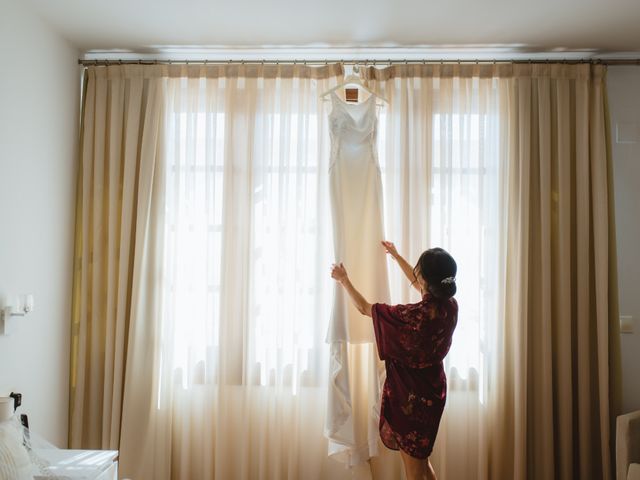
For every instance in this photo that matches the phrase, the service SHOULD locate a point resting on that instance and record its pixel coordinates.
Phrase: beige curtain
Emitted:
(115, 334)
(545, 356)
(559, 380)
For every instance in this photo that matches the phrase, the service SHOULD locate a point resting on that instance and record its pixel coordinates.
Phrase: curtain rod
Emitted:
(105, 62)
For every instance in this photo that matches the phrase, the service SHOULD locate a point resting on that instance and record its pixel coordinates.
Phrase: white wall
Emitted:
(39, 90)
(624, 107)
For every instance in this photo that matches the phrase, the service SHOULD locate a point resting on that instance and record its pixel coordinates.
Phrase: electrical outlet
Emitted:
(627, 133)
(626, 324)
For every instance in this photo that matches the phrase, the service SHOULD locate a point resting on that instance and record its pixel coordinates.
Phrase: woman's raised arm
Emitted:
(339, 274)
(407, 269)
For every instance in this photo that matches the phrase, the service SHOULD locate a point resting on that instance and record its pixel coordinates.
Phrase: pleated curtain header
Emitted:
(484, 70)
(445, 70)
(215, 71)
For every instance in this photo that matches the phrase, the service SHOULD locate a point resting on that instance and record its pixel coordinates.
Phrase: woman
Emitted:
(413, 341)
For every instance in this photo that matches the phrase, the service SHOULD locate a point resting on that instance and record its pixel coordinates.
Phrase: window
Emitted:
(282, 278)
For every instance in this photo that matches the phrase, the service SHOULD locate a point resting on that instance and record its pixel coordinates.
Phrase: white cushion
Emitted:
(15, 463)
(627, 443)
(634, 471)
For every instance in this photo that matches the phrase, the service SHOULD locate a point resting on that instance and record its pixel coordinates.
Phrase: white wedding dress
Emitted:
(356, 373)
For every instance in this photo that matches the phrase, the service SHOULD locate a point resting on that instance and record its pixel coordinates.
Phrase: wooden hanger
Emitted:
(353, 79)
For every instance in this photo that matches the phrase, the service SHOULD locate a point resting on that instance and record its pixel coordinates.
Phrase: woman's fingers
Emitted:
(338, 272)
(389, 247)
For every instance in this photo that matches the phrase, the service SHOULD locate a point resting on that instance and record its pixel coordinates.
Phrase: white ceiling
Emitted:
(521, 26)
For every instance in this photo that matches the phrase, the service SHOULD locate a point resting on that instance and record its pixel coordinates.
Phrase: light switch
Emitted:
(626, 324)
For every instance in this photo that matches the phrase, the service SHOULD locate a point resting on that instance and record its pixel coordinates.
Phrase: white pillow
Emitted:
(15, 463)
(634, 472)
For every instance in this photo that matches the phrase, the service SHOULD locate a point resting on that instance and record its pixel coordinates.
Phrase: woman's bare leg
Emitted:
(417, 469)
(431, 474)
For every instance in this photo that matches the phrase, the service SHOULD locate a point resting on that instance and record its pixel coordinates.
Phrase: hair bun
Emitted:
(447, 287)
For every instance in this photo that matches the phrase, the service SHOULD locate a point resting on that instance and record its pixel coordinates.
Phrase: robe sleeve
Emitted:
(392, 330)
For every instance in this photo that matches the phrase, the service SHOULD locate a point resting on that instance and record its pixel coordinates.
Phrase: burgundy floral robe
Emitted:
(413, 341)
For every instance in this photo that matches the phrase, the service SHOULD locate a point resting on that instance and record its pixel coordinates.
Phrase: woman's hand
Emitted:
(390, 248)
(339, 273)
(404, 265)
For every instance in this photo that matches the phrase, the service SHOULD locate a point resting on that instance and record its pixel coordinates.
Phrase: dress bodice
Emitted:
(352, 123)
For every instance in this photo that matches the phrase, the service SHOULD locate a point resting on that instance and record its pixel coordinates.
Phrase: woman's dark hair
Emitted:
(439, 269)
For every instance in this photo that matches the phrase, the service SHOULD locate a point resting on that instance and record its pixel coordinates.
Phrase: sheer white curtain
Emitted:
(248, 250)
(440, 154)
